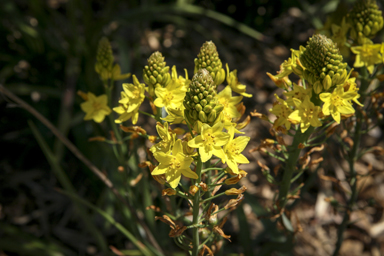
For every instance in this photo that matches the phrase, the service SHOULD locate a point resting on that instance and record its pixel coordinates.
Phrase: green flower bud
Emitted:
(322, 62)
(156, 73)
(366, 19)
(208, 58)
(317, 87)
(200, 100)
(104, 59)
(327, 82)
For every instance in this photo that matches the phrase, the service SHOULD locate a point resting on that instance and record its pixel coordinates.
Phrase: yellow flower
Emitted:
(226, 120)
(183, 82)
(281, 82)
(96, 108)
(131, 99)
(171, 96)
(233, 82)
(306, 114)
(175, 115)
(209, 142)
(233, 151)
(174, 165)
(282, 111)
(367, 55)
(339, 36)
(350, 86)
(298, 92)
(290, 65)
(229, 103)
(167, 139)
(338, 102)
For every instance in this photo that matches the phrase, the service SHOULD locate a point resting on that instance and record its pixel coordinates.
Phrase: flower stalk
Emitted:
(352, 157)
(195, 212)
(291, 162)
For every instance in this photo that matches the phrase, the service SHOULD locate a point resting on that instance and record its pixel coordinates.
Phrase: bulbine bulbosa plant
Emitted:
(333, 95)
(199, 143)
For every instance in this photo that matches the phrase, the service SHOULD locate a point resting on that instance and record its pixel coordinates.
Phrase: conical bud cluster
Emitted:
(104, 56)
(366, 18)
(322, 61)
(201, 100)
(156, 73)
(208, 58)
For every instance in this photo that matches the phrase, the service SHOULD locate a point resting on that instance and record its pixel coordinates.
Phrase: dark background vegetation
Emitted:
(47, 53)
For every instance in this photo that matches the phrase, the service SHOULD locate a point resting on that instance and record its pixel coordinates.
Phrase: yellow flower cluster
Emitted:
(210, 140)
(130, 102)
(213, 123)
(326, 93)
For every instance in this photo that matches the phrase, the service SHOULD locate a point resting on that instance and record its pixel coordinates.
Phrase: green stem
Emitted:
(290, 164)
(147, 114)
(123, 149)
(352, 158)
(212, 169)
(196, 207)
(213, 197)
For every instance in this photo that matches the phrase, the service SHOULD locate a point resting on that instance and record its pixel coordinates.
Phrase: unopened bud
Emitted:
(168, 192)
(193, 189)
(234, 191)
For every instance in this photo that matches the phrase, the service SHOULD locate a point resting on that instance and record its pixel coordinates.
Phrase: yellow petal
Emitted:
(173, 177)
(158, 171)
(204, 154)
(241, 159)
(189, 173)
(196, 142)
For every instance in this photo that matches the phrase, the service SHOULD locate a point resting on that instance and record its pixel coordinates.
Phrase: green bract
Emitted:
(208, 58)
(201, 101)
(156, 73)
(322, 62)
(365, 18)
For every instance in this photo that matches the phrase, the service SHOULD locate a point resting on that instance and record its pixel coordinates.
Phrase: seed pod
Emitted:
(156, 73)
(366, 19)
(200, 100)
(322, 60)
(208, 58)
